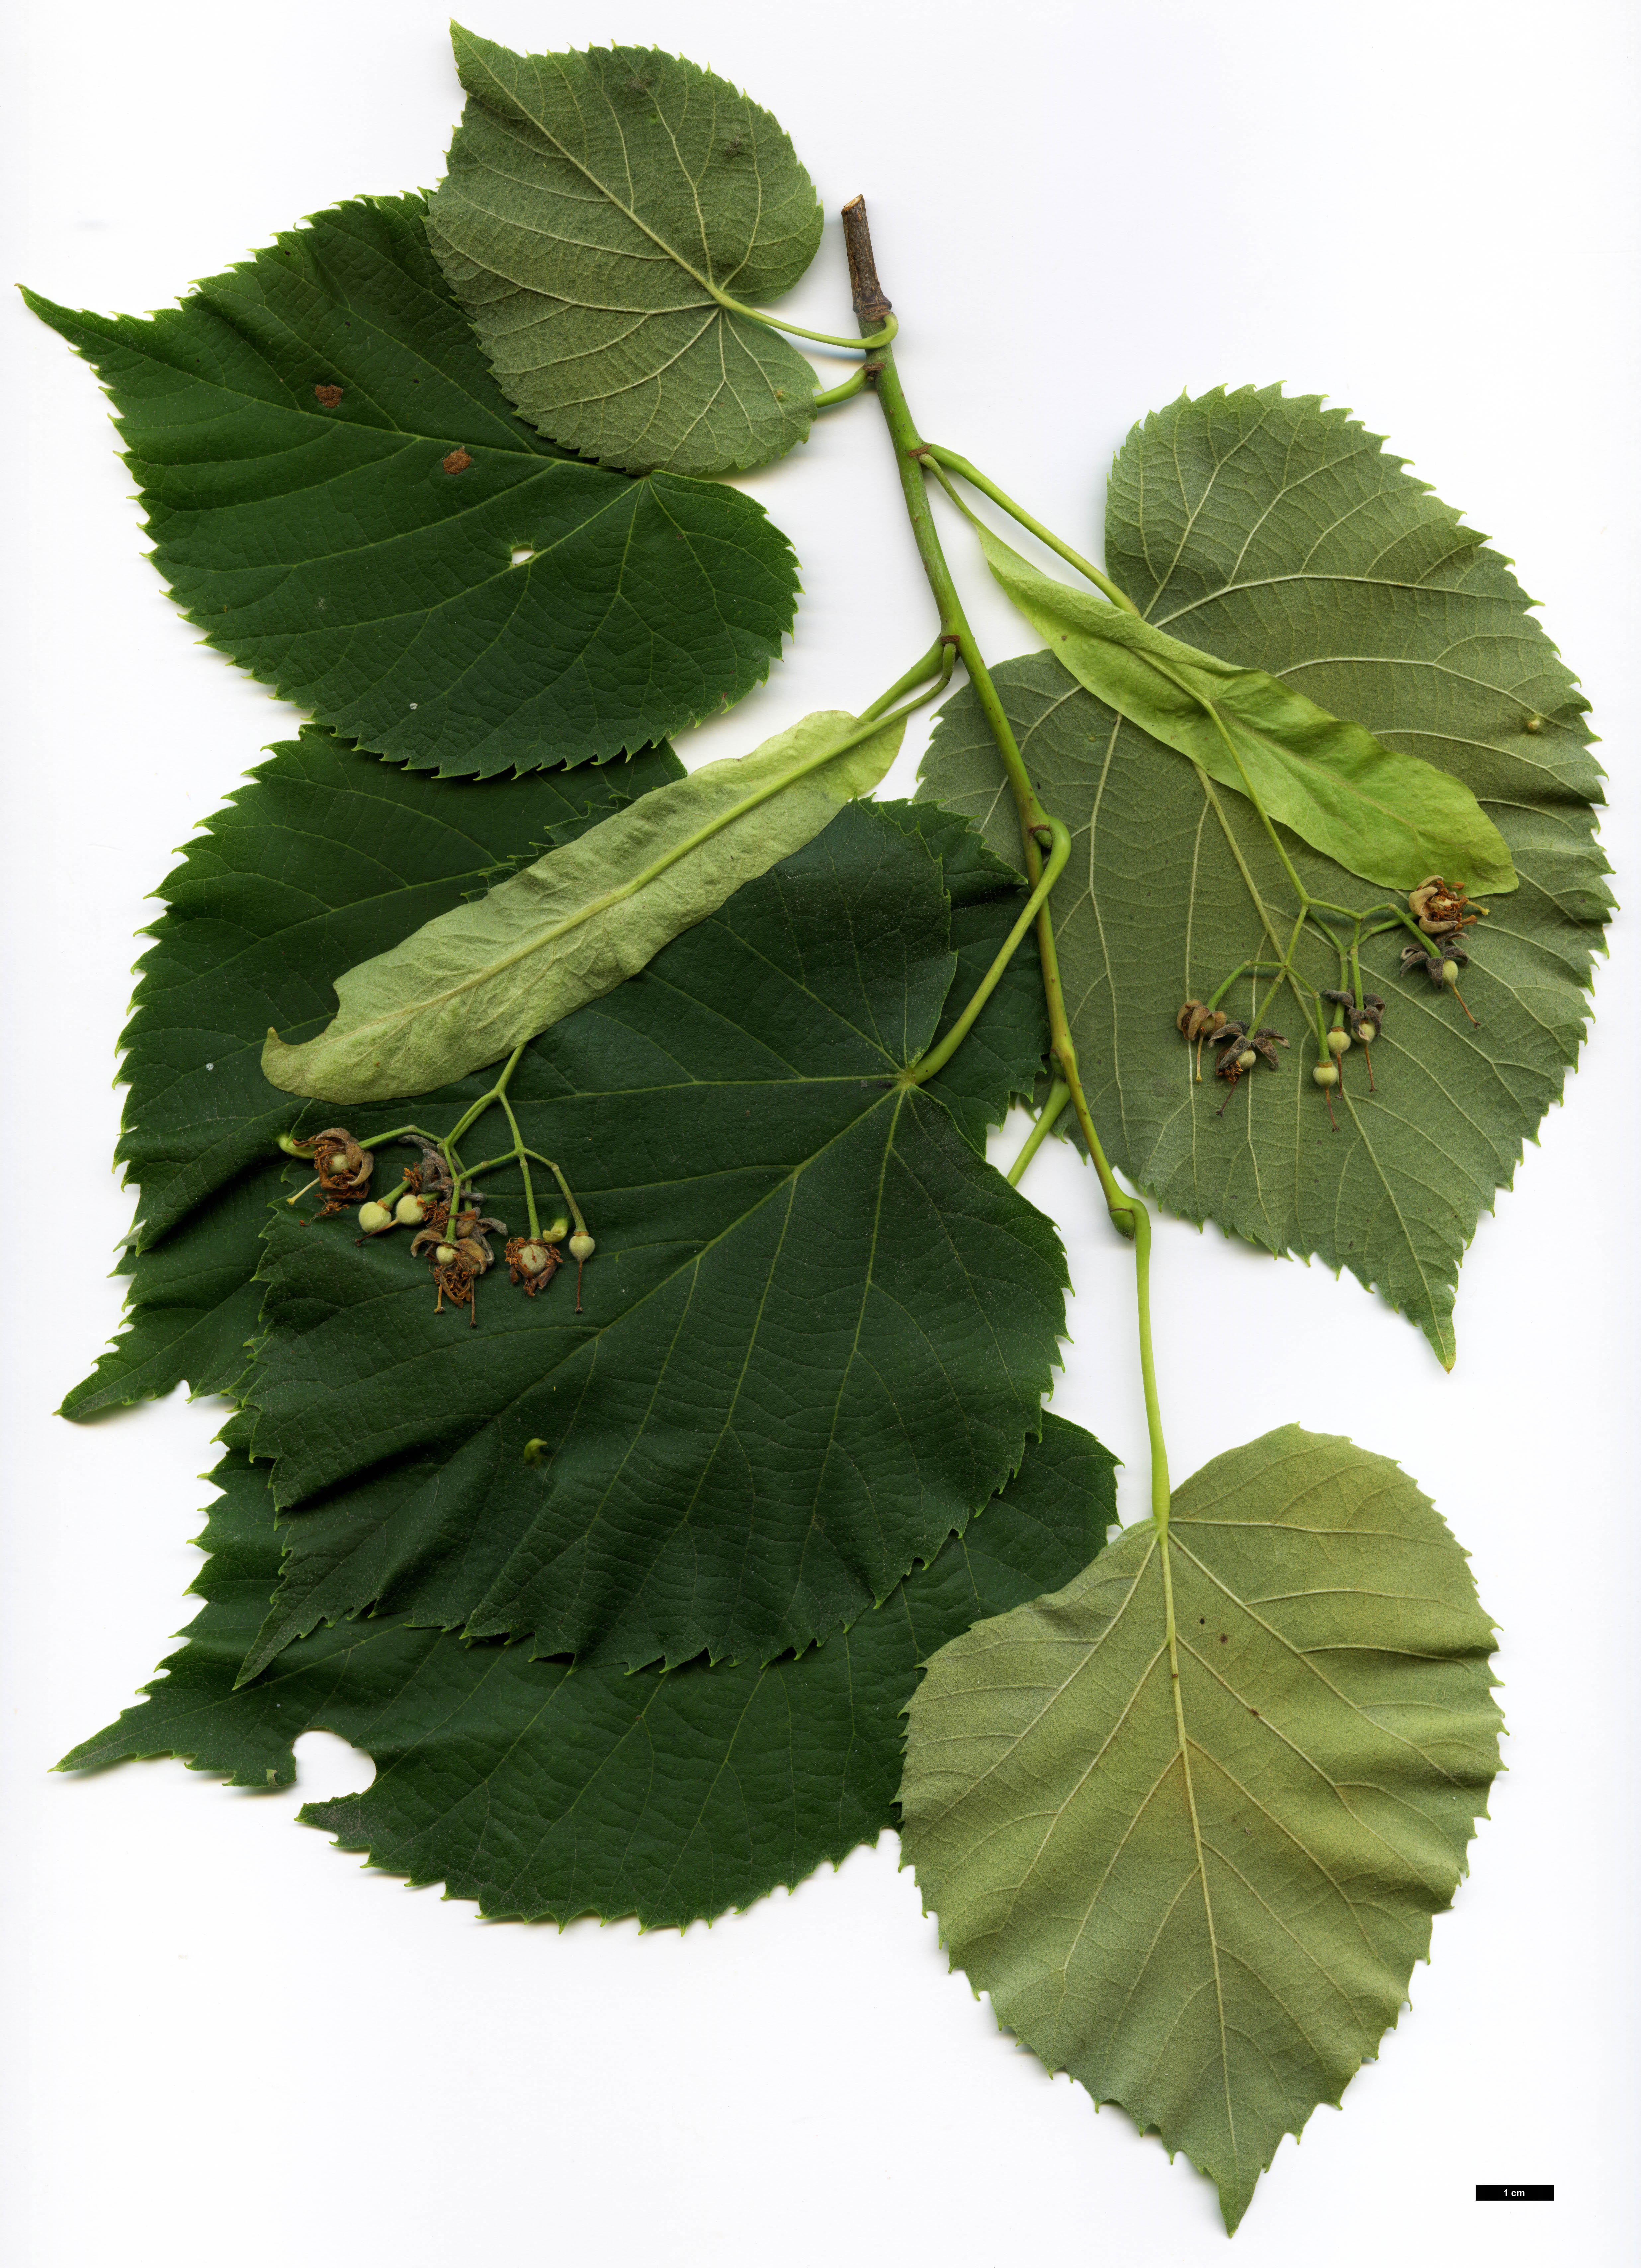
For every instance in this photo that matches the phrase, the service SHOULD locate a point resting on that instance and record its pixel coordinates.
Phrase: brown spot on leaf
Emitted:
(457, 461)
(329, 394)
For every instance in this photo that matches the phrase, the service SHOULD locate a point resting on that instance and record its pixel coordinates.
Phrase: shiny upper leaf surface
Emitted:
(544, 1792)
(814, 1336)
(327, 855)
(343, 503)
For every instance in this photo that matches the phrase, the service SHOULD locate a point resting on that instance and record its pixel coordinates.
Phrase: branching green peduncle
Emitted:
(976, 479)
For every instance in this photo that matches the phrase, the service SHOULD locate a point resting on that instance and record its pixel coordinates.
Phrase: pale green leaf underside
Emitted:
(596, 207)
(472, 984)
(1214, 1930)
(1155, 906)
(1391, 817)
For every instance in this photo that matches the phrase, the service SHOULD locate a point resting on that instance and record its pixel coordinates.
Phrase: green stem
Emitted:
(977, 480)
(564, 1186)
(846, 392)
(1129, 1213)
(1256, 968)
(518, 1151)
(954, 627)
(1148, 1371)
(1059, 1096)
(938, 1057)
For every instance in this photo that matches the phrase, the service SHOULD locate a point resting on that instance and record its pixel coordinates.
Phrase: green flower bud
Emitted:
(412, 1211)
(374, 1218)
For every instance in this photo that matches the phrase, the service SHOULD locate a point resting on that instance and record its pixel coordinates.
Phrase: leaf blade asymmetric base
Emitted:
(342, 501)
(598, 208)
(1204, 1896)
(797, 1370)
(1162, 899)
(672, 1797)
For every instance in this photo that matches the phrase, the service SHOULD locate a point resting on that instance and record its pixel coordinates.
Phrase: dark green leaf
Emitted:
(192, 1308)
(1391, 817)
(544, 1792)
(327, 855)
(1202, 1894)
(816, 1331)
(405, 558)
(598, 209)
(1156, 908)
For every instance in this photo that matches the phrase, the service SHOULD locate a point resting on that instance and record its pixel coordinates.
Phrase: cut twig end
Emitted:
(872, 303)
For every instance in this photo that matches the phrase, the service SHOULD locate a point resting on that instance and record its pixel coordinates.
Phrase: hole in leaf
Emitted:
(521, 553)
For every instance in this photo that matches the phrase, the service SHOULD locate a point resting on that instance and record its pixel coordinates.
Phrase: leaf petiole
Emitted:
(939, 1057)
(798, 331)
(1059, 1096)
(846, 392)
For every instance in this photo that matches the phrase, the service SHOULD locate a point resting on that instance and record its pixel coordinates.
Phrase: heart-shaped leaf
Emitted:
(602, 214)
(343, 503)
(1360, 584)
(1187, 1821)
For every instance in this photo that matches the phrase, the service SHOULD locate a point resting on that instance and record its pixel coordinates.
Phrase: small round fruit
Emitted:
(1337, 1043)
(443, 1254)
(533, 1258)
(582, 1245)
(374, 1218)
(1450, 972)
(1246, 1060)
(410, 1210)
(336, 1163)
(1325, 1074)
(1367, 1033)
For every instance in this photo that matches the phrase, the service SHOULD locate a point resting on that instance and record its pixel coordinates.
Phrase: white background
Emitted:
(229, 2041)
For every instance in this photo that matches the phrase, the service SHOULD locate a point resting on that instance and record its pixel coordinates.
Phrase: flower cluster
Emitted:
(450, 1230)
